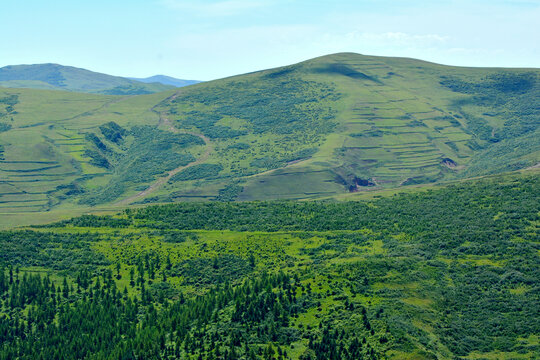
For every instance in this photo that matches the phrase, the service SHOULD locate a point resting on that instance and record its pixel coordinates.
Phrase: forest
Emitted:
(444, 273)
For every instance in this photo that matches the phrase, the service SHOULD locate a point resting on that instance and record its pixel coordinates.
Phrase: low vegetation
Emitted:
(151, 152)
(445, 273)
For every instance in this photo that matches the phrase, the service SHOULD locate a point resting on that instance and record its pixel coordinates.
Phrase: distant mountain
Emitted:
(166, 80)
(68, 78)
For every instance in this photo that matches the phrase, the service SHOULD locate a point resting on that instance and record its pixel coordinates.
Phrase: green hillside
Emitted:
(450, 273)
(58, 147)
(348, 122)
(337, 126)
(68, 78)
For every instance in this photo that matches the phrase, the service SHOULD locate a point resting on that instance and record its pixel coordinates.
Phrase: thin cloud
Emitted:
(216, 8)
(388, 39)
(401, 38)
(244, 39)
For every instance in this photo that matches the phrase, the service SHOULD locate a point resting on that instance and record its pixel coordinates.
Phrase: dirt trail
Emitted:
(159, 182)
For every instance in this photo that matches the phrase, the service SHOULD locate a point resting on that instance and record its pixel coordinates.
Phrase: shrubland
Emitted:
(447, 273)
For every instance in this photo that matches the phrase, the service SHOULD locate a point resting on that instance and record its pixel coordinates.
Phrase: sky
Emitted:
(211, 39)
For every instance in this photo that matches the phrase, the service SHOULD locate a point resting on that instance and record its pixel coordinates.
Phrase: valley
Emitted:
(163, 121)
(345, 207)
(242, 180)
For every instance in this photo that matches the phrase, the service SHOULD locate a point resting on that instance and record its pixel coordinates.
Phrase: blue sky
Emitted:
(211, 39)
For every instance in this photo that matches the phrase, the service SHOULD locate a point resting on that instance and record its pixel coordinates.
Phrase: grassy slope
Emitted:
(392, 123)
(68, 78)
(415, 262)
(45, 147)
(311, 130)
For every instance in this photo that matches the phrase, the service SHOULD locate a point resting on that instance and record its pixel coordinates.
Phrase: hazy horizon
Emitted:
(204, 40)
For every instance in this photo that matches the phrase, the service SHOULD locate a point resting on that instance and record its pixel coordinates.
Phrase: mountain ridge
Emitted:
(50, 76)
(166, 80)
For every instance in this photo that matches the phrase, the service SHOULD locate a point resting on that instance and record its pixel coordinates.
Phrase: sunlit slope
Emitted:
(68, 78)
(348, 122)
(53, 151)
(323, 128)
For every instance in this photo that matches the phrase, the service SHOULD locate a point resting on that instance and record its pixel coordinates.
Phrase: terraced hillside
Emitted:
(348, 122)
(58, 148)
(335, 125)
